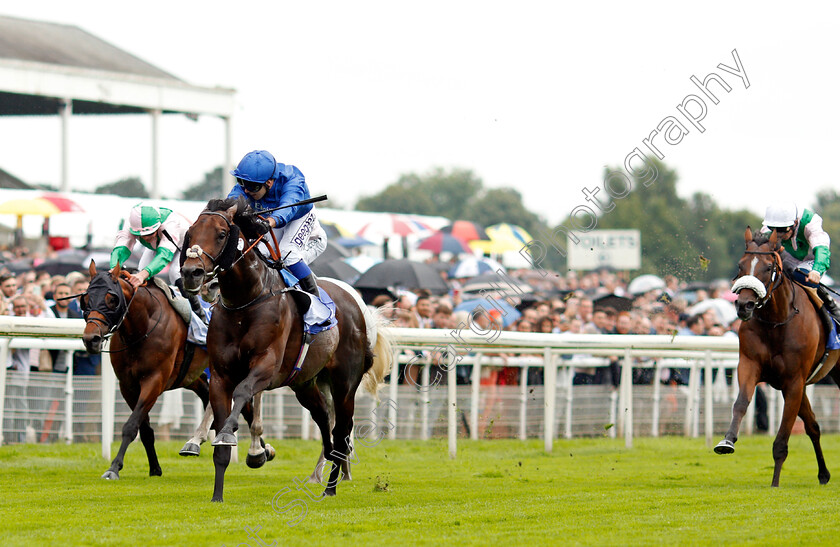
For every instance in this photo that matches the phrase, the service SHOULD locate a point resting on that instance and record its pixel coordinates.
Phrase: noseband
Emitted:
(776, 280)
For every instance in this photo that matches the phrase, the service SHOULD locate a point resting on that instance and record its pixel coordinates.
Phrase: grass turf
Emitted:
(588, 491)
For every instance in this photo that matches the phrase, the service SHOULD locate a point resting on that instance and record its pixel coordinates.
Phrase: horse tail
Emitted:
(379, 355)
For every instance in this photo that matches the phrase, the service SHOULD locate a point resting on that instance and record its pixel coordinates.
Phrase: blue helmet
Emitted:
(256, 166)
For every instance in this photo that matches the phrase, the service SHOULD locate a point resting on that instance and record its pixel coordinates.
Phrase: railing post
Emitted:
(395, 378)
(425, 400)
(68, 399)
(627, 389)
(4, 359)
(709, 414)
(452, 410)
(108, 383)
(523, 401)
(570, 382)
(474, 396)
(657, 397)
(550, 397)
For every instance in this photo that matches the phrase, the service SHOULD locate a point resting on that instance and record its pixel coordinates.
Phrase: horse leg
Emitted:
(344, 397)
(311, 398)
(149, 393)
(193, 446)
(793, 395)
(748, 371)
(812, 428)
(220, 399)
(147, 436)
(259, 452)
(254, 383)
(317, 473)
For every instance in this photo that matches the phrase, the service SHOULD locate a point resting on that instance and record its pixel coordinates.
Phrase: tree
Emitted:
(131, 187)
(213, 186)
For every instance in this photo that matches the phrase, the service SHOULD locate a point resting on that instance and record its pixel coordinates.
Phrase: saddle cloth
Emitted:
(833, 341)
(197, 332)
(318, 313)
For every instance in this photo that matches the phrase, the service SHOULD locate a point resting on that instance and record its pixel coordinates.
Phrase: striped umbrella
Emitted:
(466, 230)
(391, 225)
(503, 237)
(443, 242)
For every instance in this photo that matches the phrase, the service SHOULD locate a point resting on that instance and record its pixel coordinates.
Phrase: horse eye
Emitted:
(222, 235)
(111, 300)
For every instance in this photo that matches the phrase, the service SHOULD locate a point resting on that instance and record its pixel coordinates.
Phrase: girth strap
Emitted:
(189, 351)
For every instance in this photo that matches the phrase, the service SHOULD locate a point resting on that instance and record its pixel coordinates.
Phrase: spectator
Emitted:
(423, 310)
(61, 309)
(9, 288)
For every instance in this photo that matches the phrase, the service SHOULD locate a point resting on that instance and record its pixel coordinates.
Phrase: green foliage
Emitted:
(663, 491)
(828, 207)
(131, 187)
(213, 186)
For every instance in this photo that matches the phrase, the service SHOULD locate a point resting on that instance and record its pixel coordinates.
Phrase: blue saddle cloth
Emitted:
(320, 315)
(800, 275)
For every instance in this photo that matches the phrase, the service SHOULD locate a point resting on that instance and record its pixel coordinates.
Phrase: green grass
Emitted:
(589, 491)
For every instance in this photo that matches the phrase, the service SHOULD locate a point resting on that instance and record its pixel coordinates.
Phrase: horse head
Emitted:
(760, 272)
(211, 244)
(103, 305)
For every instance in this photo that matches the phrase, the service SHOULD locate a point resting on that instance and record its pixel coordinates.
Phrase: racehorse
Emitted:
(149, 352)
(782, 341)
(256, 335)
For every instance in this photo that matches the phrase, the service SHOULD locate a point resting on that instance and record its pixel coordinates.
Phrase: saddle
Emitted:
(181, 305)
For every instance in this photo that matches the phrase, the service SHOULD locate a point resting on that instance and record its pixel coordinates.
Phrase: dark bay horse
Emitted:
(149, 352)
(782, 341)
(256, 334)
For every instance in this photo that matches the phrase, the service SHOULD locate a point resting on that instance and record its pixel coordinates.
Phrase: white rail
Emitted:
(467, 347)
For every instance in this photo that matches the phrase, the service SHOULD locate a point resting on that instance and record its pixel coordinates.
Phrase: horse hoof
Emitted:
(225, 439)
(255, 461)
(111, 475)
(725, 447)
(217, 500)
(269, 452)
(190, 449)
(329, 492)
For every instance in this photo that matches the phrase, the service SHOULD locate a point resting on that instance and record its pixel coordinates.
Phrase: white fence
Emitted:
(67, 404)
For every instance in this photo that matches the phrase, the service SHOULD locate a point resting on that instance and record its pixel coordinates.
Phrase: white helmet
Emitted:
(781, 215)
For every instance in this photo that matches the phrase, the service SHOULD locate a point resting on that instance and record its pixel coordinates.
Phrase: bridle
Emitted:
(125, 306)
(776, 280)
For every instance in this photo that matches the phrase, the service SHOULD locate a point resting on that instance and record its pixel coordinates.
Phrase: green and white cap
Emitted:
(143, 220)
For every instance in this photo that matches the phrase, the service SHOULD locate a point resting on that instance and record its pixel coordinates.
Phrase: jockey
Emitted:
(266, 184)
(806, 246)
(161, 231)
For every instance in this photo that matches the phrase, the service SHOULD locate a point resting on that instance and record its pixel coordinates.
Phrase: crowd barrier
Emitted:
(49, 407)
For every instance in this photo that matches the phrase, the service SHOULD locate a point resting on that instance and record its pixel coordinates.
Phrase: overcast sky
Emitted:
(535, 95)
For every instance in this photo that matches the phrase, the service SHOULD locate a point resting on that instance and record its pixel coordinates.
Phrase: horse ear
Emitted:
(774, 239)
(116, 271)
(748, 235)
(232, 210)
(92, 269)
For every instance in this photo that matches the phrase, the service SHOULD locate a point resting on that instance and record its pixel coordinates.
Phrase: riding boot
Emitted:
(193, 300)
(828, 302)
(308, 284)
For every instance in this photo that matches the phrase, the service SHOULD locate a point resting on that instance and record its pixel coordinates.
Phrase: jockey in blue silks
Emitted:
(266, 184)
(806, 246)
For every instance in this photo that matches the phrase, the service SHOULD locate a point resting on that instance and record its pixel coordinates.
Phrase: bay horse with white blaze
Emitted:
(782, 341)
(257, 331)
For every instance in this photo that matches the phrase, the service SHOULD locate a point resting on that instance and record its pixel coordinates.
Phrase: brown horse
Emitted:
(782, 341)
(256, 335)
(149, 352)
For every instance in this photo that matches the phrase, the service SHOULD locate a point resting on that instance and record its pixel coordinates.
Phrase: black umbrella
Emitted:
(402, 273)
(337, 269)
(334, 251)
(492, 281)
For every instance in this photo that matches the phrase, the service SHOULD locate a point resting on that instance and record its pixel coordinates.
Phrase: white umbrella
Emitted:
(645, 283)
(725, 310)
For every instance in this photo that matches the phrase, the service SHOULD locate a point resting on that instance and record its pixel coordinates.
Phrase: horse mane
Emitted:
(760, 238)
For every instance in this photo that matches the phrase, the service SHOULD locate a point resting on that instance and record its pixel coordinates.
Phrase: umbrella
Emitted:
(493, 282)
(509, 313)
(443, 242)
(503, 237)
(403, 273)
(645, 283)
(466, 230)
(390, 225)
(334, 251)
(725, 310)
(362, 263)
(337, 269)
(473, 266)
(45, 205)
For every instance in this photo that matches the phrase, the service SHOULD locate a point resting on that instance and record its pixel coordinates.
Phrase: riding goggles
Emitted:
(250, 185)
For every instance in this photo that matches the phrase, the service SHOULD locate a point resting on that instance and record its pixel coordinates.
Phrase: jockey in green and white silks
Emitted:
(161, 231)
(806, 246)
